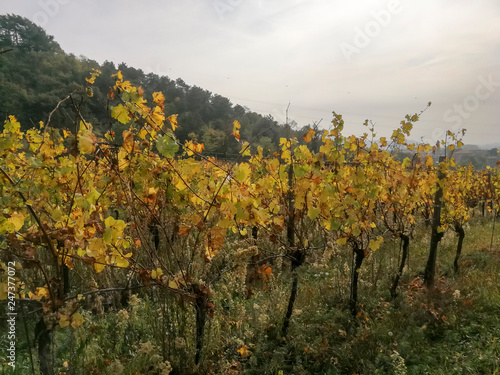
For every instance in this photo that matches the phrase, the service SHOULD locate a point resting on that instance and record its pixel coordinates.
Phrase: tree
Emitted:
(22, 34)
(36, 74)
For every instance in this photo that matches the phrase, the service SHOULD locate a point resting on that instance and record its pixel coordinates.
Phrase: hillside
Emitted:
(36, 74)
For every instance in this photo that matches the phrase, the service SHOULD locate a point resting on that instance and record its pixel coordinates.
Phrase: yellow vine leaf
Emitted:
(245, 149)
(244, 352)
(406, 163)
(143, 133)
(242, 172)
(94, 74)
(279, 221)
(118, 75)
(156, 273)
(236, 129)
(12, 125)
(173, 121)
(86, 142)
(98, 267)
(128, 140)
(17, 220)
(63, 321)
(286, 155)
(342, 241)
(121, 113)
(157, 118)
(77, 320)
(40, 292)
(96, 247)
(375, 244)
(173, 284)
(159, 99)
(309, 135)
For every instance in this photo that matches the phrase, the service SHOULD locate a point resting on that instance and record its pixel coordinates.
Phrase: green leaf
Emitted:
(166, 146)
(335, 224)
(299, 170)
(108, 235)
(313, 212)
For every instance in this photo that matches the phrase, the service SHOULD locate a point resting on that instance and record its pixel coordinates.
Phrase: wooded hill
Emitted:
(36, 74)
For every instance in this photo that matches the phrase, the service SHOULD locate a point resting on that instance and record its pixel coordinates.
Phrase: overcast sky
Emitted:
(365, 59)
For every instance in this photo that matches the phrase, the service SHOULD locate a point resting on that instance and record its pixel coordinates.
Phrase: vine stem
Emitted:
(493, 228)
(55, 256)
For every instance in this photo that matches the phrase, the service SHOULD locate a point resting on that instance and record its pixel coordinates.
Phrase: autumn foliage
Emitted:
(143, 210)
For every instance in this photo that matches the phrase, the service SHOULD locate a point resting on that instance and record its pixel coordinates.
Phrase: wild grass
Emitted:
(453, 328)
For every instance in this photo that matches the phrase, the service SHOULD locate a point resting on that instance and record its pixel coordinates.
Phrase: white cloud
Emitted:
(266, 53)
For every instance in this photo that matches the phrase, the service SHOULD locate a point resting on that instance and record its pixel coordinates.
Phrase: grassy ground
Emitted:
(451, 329)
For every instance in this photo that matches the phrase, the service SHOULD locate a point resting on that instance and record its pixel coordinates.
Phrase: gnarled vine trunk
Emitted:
(44, 340)
(436, 235)
(296, 262)
(298, 255)
(359, 255)
(201, 319)
(203, 307)
(461, 235)
(406, 245)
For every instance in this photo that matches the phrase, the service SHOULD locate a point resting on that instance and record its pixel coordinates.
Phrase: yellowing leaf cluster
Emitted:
(141, 205)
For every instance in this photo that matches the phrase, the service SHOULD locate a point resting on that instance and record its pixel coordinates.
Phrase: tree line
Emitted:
(36, 74)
